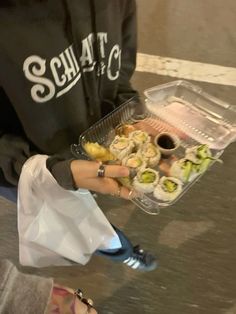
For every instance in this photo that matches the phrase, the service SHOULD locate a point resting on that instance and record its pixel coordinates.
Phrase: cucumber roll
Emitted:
(201, 158)
(146, 180)
(198, 153)
(151, 153)
(121, 146)
(168, 189)
(198, 169)
(135, 161)
(184, 170)
(139, 137)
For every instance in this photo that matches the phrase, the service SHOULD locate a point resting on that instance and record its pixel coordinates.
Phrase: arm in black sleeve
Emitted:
(14, 151)
(59, 166)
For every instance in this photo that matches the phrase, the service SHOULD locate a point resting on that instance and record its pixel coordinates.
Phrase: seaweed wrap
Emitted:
(146, 180)
(151, 153)
(121, 147)
(168, 189)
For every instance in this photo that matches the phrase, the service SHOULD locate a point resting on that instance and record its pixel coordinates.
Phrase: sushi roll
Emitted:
(198, 153)
(184, 170)
(121, 147)
(146, 180)
(124, 129)
(168, 189)
(139, 137)
(198, 169)
(151, 153)
(134, 161)
(201, 158)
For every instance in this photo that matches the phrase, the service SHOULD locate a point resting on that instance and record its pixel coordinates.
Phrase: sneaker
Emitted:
(141, 260)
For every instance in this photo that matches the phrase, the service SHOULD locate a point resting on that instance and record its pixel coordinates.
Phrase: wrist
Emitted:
(74, 167)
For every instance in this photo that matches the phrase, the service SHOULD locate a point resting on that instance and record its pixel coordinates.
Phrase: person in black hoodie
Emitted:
(64, 64)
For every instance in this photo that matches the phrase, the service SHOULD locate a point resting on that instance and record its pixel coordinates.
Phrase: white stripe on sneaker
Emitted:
(126, 261)
(136, 265)
(131, 262)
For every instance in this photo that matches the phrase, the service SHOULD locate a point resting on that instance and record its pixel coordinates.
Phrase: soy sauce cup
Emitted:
(167, 143)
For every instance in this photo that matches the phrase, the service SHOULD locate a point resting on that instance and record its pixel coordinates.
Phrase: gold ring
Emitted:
(119, 191)
(78, 293)
(88, 302)
(130, 194)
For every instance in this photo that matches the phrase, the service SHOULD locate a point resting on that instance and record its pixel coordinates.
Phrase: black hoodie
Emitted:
(63, 65)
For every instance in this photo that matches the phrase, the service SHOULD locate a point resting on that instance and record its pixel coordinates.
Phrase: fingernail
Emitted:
(124, 172)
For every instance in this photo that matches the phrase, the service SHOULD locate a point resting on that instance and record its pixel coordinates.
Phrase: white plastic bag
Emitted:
(57, 226)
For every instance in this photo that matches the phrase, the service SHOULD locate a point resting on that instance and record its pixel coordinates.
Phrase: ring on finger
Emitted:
(101, 171)
(130, 194)
(89, 303)
(79, 294)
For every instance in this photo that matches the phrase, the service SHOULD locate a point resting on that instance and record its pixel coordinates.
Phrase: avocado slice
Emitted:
(147, 177)
(187, 170)
(205, 164)
(170, 186)
(202, 151)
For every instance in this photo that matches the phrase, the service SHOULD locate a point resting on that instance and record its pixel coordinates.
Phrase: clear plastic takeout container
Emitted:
(176, 106)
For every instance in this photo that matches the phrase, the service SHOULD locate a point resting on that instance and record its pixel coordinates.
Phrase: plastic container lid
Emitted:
(201, 116)
(177, 107)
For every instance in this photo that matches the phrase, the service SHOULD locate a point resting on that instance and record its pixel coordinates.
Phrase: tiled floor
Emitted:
(193, 239)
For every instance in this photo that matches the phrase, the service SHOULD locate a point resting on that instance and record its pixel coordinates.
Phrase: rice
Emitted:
(146, 180)
(121, 147)
(184, 170)
(197, 153)
(140, 138)
(135, 161)
(151, 153)
(168, 189)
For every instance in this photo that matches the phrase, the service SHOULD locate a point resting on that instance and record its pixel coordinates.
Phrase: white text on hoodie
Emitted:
(66, 70)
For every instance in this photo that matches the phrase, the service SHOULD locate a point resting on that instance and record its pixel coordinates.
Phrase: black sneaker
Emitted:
(141, 260)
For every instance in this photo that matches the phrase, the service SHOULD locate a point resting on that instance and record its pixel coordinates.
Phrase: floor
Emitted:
(193, 239)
